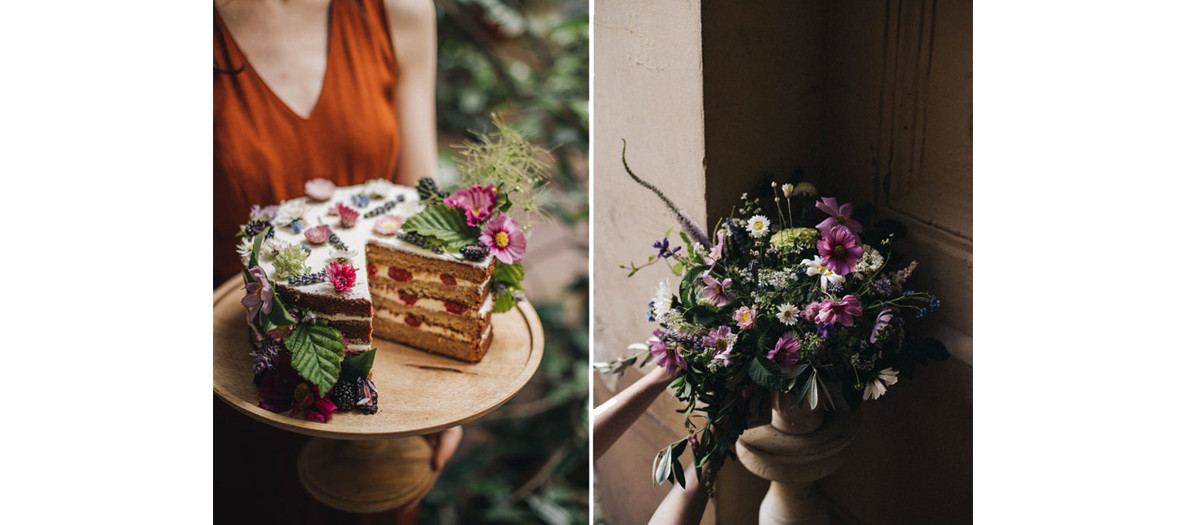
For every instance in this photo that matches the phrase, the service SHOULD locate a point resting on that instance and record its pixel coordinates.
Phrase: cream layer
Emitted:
(434, 305)
(400, 318)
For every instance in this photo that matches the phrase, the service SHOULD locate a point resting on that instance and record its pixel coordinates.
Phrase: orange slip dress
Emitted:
(263, 151)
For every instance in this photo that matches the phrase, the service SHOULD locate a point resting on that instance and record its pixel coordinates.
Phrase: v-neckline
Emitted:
(275, 96)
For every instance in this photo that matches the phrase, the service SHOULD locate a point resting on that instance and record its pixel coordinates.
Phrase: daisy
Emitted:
(661, 304)
(788, 314)
(876, 388)
(758, 226)
(245, 247)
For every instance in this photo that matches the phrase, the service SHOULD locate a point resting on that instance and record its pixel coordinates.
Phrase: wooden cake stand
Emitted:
(373, 463)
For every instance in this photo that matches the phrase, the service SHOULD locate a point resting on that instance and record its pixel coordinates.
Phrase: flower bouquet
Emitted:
(784, 297)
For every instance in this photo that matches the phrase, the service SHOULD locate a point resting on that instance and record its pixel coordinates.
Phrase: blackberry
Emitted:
(366, 396)
(344, 394)
(474, 252)
(255, 227)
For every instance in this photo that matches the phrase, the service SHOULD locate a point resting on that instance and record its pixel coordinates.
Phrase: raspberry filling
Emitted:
(447, 279)
(455, 308)
(413, 320)
(408, 298)
(400, 275)
(372, 270)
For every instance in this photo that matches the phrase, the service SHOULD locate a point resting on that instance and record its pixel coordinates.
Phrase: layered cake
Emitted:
(328, 271)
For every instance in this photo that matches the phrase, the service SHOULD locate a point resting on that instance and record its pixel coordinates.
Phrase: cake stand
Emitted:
(373, 463)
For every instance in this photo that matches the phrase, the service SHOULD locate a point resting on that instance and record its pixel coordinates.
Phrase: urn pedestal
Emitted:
(798, 448)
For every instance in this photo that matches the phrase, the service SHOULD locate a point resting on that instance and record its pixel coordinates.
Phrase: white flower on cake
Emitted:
(291, 211)
(758, 226)
(876, 388)
(377, 188)
(273, 246)
(245, 247)
(788, 314)
(826, 276)
(341, 255)
(661, 304)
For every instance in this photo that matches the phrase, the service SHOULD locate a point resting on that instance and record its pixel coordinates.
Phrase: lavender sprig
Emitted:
(689, 226)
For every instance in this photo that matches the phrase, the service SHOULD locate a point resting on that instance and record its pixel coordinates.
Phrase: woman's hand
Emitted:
(444, 445)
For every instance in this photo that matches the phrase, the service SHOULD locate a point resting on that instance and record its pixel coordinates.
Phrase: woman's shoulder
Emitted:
(410, 12)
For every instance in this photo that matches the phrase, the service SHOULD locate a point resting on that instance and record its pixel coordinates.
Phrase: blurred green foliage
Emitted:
(528, 62)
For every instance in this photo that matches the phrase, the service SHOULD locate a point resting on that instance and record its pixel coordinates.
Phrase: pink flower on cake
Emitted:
(839, 215)
(259, 296)
(388, 224)
(318, 234)
(348, 216)
(342, 276)
(840, 311)
(745, 317)
(839, 250)
(321, 410)
(319, 189)
(504, 238)
(785, 351)
(476, 202)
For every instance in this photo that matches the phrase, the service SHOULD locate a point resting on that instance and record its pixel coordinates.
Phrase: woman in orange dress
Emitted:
(304, 89)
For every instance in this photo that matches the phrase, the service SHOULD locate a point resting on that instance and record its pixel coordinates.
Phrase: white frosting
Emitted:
(316, 213)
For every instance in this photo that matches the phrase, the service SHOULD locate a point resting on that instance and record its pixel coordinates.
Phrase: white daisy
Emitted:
(341, 255)
(758, 226)
(291, 211)
(661, 304)
(826, 276)
(377, 188)
(788, 314)
(876, 387)
(245, 247)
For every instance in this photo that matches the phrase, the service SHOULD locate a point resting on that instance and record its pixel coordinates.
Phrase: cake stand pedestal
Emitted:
(373, 463)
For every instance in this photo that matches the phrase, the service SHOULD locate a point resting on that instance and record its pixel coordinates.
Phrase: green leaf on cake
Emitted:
(316, 352)
(504, 302)
(445, 224)
(509, 274)
(358, 365)
(257, 249)
(278, 316)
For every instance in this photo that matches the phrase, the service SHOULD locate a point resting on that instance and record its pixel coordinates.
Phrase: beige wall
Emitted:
(647, 89)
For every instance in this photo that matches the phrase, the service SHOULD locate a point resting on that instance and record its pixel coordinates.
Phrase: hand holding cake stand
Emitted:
(373, 463)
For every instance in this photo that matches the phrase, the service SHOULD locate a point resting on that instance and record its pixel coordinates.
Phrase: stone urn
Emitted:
(799, 447)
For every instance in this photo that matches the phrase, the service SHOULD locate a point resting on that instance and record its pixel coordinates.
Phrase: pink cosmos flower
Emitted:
(839, 215)
(883, 320)
(476, 202)
(504, 238)
(785, 352)
(388, 224)
(259, 296)
(715, 292)
(348, 216)
(810, 311)
(715, 252)
(318, 234)
(342, 276)
(839, 250)
(721, 341)
(745, 317)
(841, 311)
(667, 357)
(319, 189)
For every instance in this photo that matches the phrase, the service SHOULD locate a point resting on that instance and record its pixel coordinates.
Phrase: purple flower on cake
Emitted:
(476, 202)
(319, 189)
(318, 234)
(321, 410)
(258, 213)
(667, 357)
(277, 386)
(841, 311)
(388, 224)
(504, 238)
(259, 296)
(348, 216)
(839, 250)
(839, 215)
(714, 291)
(745, 317)
(785, 351)
(342, 276)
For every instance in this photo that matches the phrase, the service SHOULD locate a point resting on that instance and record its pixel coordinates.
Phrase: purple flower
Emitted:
(715, 292)
(824, 330)
(786, 351)
(476, 202)
(883, 320)
(745, 317)
(321, 410)
(840, 311)
(662, 246)
(259, 296)
(715, 252)
(721, 341)
(258, 213)
(839, 215)
(667, 357)
(810, 311)
(839, 250)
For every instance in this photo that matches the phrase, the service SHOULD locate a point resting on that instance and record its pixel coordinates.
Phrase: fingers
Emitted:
(444, 443)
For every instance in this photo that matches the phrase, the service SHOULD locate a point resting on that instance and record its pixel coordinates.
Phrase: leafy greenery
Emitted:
(443, 223)
(358, 365)
(316, 352)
